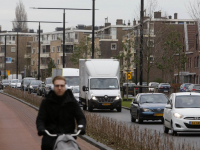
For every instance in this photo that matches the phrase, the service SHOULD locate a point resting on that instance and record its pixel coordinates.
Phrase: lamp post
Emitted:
(93, 22)
(63, 24)
(39, 40)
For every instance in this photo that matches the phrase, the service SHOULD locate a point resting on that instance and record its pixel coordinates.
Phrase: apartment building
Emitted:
(11, 51)
(52, 48)
(155, 31)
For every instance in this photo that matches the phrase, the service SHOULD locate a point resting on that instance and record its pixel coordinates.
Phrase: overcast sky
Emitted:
(113, 9)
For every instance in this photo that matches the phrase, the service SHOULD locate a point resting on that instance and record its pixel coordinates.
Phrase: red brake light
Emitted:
(193, 89)
(136, 88)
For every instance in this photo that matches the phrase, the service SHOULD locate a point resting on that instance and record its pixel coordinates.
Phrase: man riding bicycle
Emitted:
(58, 112)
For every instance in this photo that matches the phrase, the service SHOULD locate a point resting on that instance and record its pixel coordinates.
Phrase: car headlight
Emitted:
(177, 115)
(31, 87)
(146, 110)
(93, 97)
(118, 97)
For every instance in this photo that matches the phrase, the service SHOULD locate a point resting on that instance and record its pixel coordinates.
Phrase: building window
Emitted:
(13, 49)
(37, 62)
(13, 38)
(150, 43)
(53, 60)
(33, 50)
(33, 62)
(13, 60)
(58, 61)
(76, 36)
(197, 64)
(58, 48)
(52, 49)
(43, 49)
(113, 46)
(37, 50)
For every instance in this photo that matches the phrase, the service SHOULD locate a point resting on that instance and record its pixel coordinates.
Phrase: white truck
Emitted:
(99, 84)
(71, 75)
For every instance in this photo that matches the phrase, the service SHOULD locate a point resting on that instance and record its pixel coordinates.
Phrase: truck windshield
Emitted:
(72, 81)
(103, 83)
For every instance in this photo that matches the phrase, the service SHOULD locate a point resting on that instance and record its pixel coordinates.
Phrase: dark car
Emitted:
(194, 88)
(47, 86)
(130, 88)
(164, 87)
(40, 89)
(32, 86)
(184, 87)
(25, 82)
(4, 83)
(148, 106)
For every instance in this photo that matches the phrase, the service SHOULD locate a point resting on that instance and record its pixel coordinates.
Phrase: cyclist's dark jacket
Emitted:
(58, 114)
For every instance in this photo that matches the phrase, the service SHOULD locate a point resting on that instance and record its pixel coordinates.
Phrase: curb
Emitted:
(126, 108)
(84, 137)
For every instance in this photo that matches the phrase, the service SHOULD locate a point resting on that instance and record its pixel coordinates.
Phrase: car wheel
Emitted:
(140, 121)
(119, 109)
(132, 119)
(165, 129)
(172, 130)
(90, 107)
(84, 107)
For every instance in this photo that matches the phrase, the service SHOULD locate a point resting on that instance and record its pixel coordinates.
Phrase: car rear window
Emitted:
(196, 87)
(153, 98)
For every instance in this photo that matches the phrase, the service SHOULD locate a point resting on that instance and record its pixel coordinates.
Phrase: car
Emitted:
(18, 84)
(181, 114)
(5, 83)
(153, 86)
(32, 86)
(47, 86)
(194, 88)
(164, 87)
(130, 88)
(13, 83)
(25, 82)
(148, 106)
(184, 87)
(40, 88)
(75, 91)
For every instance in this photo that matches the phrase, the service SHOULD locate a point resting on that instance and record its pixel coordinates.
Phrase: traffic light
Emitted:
(129, 75)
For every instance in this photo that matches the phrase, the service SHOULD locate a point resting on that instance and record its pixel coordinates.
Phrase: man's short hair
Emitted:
(59, 78)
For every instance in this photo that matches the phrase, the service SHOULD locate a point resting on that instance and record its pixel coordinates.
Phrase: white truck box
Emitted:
(99, 84)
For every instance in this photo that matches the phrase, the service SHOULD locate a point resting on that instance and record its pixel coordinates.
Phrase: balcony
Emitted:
(27, 55)
(104, 36)
(43, 66)
(44, 55)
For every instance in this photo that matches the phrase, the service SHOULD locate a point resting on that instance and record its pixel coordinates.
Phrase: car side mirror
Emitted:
(168, 106)
(135, 101)
(85, 88)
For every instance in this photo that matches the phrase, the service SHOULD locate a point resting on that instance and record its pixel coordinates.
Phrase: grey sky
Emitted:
(113, 9)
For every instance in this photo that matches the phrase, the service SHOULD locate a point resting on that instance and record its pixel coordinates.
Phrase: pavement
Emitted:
(18, 129)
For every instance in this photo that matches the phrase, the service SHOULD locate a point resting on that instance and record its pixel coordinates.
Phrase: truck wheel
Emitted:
(90, 108)
(84, 107)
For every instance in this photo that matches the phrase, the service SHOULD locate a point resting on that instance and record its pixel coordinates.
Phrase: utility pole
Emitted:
(64, 39)
(17, 53)
(93, 21)
(141, 43)
(39, 55)
(5, 60)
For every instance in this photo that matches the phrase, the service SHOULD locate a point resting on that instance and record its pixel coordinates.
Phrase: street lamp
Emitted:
(64, 25)
(39, 40)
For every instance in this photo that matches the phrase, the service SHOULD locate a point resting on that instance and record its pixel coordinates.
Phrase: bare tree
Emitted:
(21, 15)
(194, 9)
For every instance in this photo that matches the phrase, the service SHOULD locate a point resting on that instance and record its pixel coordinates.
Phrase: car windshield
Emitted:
(154, 84)
(72, 81)
(104, 83)
(35, 82)
(14, 81)
(187, 85)
(165, 84)
(153, 98)
(187, 101)
(19, 81)
(75, 90)
(5, 81)
(26, 81)
(48, 81)
(129, 85)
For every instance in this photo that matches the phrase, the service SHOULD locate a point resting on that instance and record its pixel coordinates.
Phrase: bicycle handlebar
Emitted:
(47, 132)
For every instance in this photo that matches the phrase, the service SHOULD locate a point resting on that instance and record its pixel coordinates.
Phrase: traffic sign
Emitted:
(129, 75)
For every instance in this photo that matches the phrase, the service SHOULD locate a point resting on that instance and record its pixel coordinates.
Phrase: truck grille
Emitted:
(103, 99)
(158, 110)
(192, 118)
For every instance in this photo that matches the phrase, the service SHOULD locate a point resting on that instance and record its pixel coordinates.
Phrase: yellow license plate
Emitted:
(194, 122)
(106, 104)
(158, 114)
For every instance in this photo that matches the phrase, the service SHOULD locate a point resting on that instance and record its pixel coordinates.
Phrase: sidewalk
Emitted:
(18, 129)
